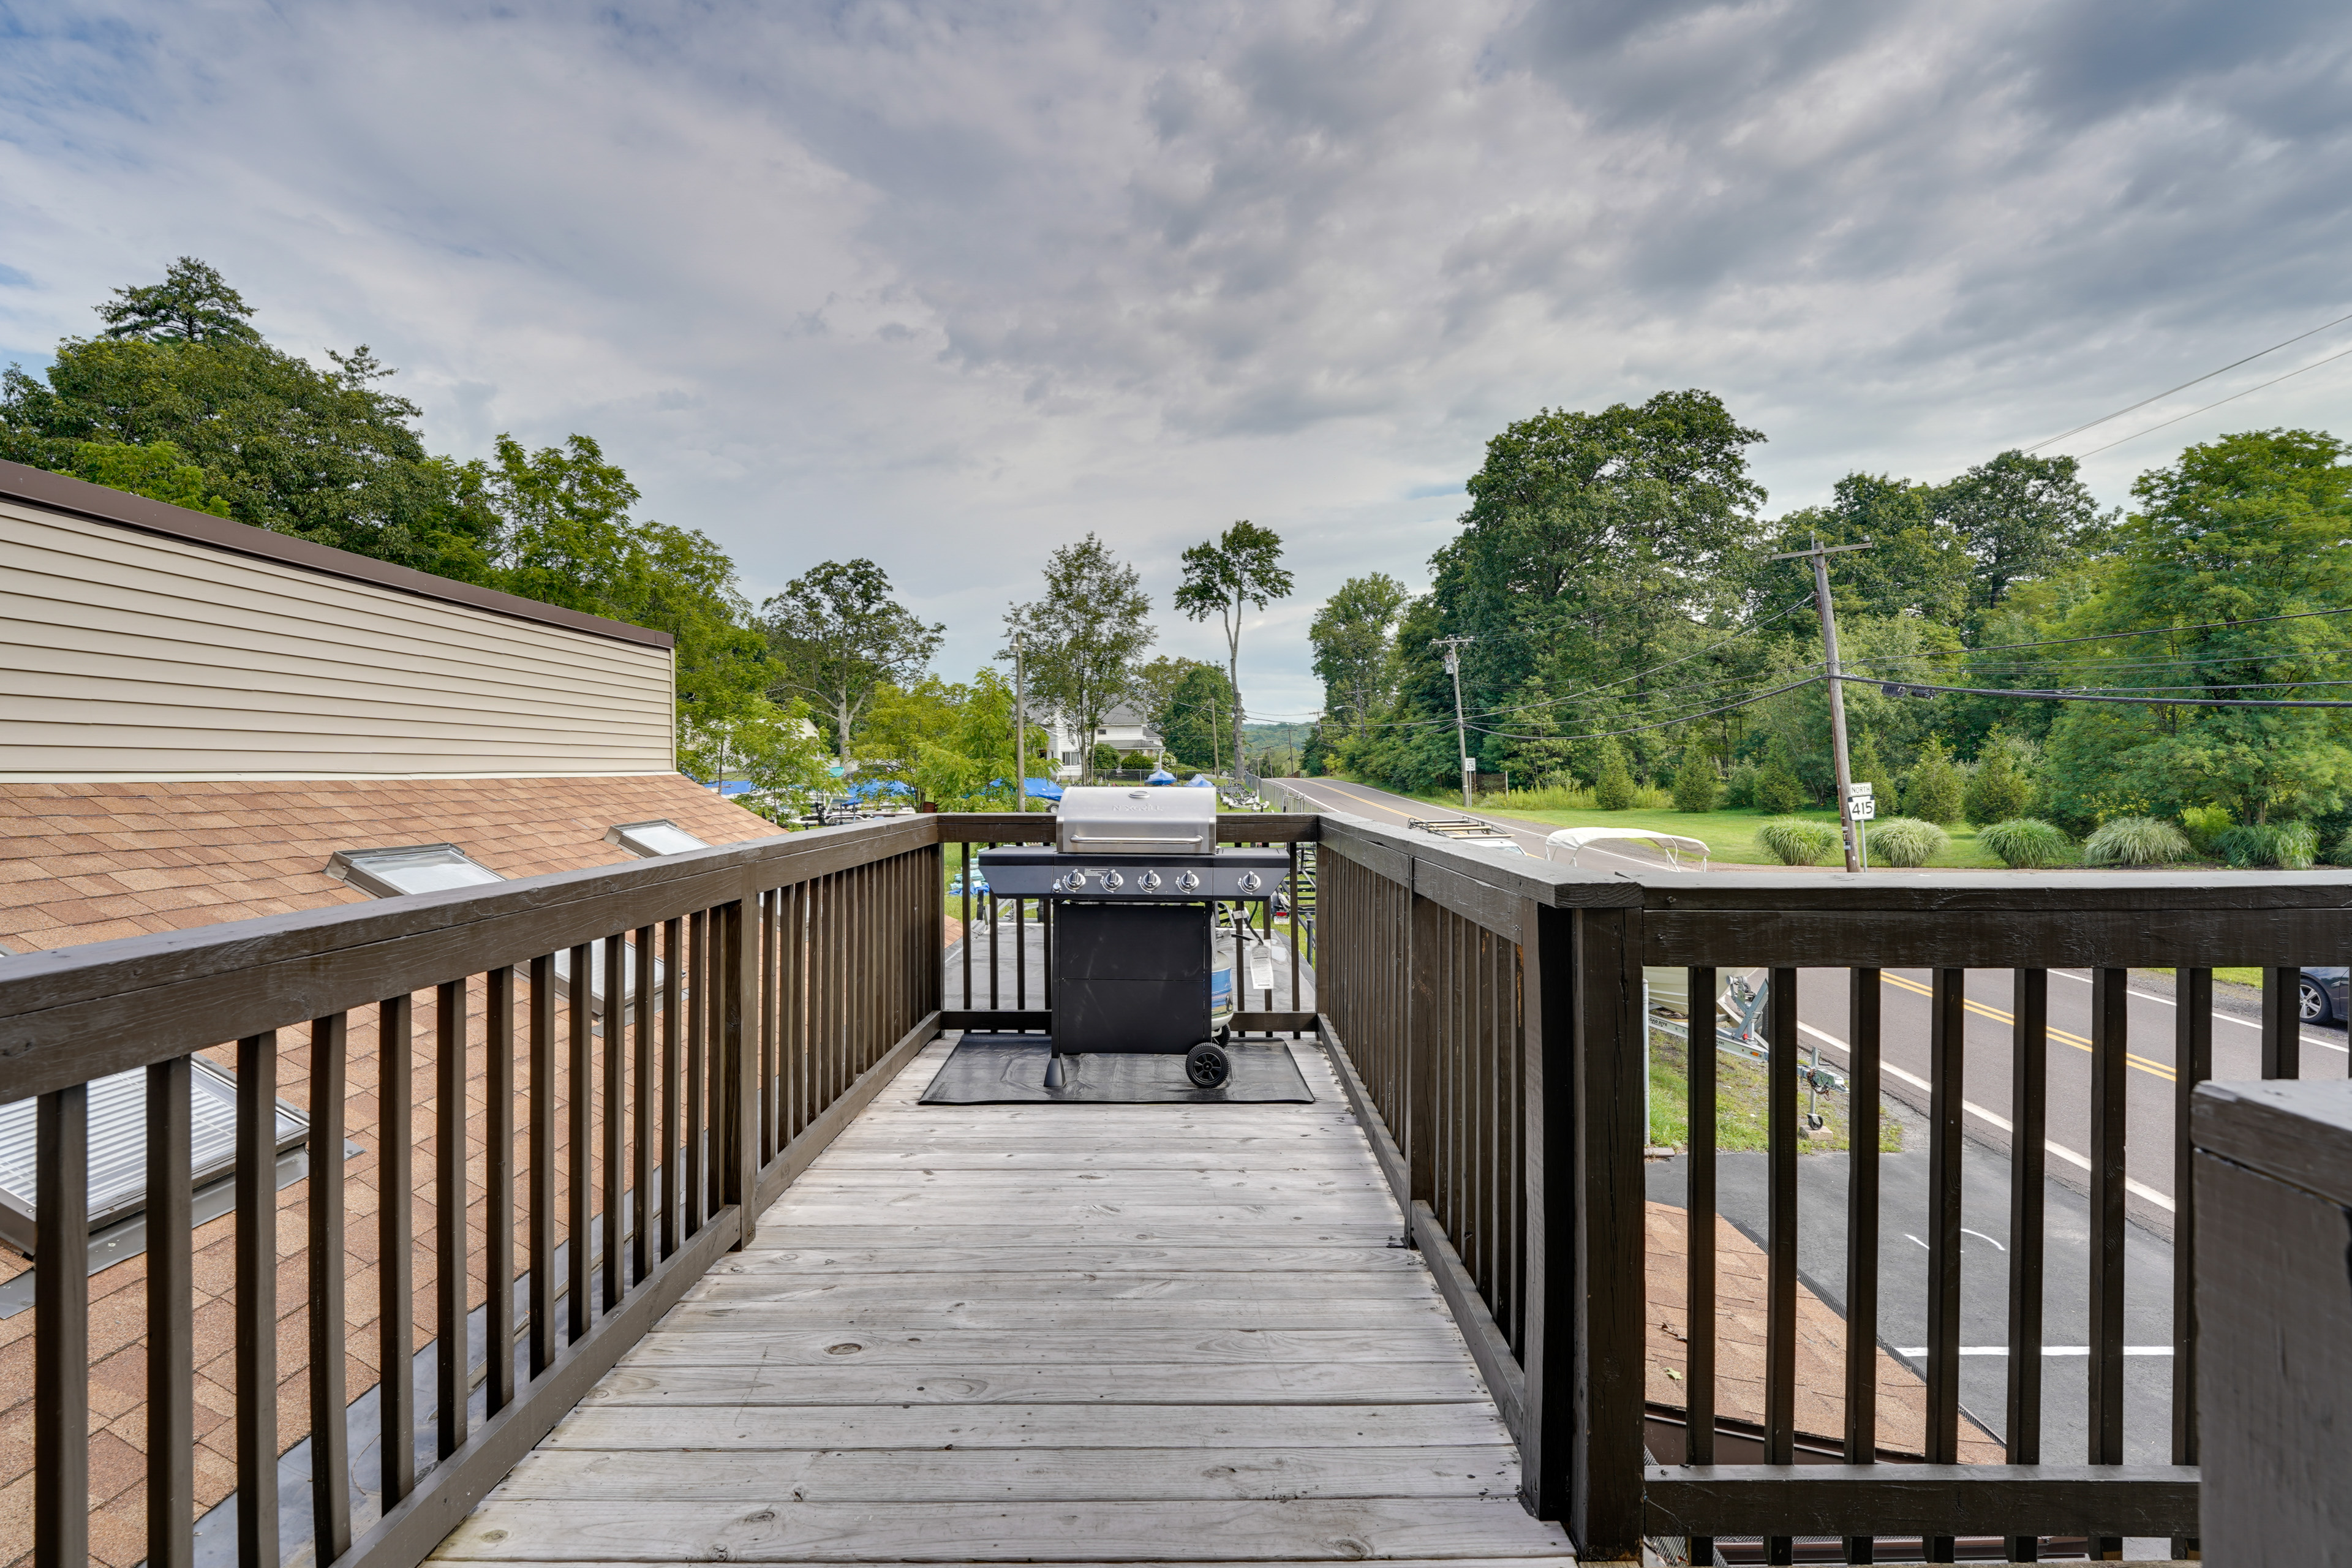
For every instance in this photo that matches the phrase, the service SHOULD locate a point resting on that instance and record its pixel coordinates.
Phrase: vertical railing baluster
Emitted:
(642, 1110)
(698, 1005)
(994, 964)
(61, 1328)
(963, 887)
(1780, 1240)
(449, 1071)
(580, 1092)
(673, 1189)
(1298, 1000)
(2110, 1062)
(396, 1250)
(170, 1295)
(498, 1193)
(1947, 1056)
(771, 1136)
(1865, 998)
(1699, 1238)
(256, 1299)
(2029, 1101)
(542, 1164)
(616, 1095)
(2193, 1064)
(739, 1063)
(2281, 1021)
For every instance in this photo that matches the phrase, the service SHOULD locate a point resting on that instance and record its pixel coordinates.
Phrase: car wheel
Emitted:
(2312, 1001)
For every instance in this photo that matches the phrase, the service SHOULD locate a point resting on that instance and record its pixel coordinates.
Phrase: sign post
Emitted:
(1860, 809)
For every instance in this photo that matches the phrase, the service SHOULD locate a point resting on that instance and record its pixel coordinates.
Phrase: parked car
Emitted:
(2322, 997)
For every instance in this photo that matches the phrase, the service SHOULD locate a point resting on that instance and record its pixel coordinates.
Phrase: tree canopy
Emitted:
(1087, 633)
(1242, 566)
(836, 632)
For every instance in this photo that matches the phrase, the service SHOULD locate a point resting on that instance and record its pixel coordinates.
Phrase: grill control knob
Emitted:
(1249, 882)
(1076, 879)
(1061, 884)
(1112, 881)
(1189, 882)
(1149, 881)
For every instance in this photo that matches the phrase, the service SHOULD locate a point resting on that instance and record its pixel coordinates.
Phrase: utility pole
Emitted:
(1020, 729)
(1452, 646)
(1819, 556)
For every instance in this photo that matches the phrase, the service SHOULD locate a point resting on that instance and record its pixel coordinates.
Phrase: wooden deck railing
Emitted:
(743, 1003)
(1485, 1012)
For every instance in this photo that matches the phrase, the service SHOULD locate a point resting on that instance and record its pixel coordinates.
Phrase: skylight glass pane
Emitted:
(427, 870)
(656, 838)
(118, 1138)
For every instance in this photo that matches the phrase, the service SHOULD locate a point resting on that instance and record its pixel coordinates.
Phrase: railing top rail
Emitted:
(73, 1013)
(1037, 827)
(2040, 892)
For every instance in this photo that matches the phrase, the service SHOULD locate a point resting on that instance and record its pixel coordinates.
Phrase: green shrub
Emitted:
(2136, 841)
(1866, 767)
(1935, 788)
(1559, 793)
(1696, 786)
(2289, 846)
(2027, 842)
(1614, 789)
(1739, 789)
(2343, 856)
(1777, 788)
(1793, 841)
(2204, 823)
(1906, 841)
(1998, 790)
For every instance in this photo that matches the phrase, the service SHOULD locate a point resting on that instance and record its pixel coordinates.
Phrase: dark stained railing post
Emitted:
(739, 1053)
(61, 1329)
(257, 1301)
(1547, 1336)
(170, 1300)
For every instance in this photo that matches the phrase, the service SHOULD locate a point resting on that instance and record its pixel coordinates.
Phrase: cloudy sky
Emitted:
(948, 285)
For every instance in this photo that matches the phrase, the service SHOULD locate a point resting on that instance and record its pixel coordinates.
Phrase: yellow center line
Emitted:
(2154, 1068)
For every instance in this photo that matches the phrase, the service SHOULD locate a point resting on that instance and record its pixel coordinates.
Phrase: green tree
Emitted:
(1534, 750)
(1242, 566)
(325, 455)
(1778, 790)
(1868, 767)
(1696, 785)
(160, 473)
(193, 304)
(1194, 720)
(2246, 527)
(1933, 792)
(1087, 633)
(2020, 519)
(836, 632)
(1614, 789)
(1917, 565)
(1355, 646)
(2001, 789)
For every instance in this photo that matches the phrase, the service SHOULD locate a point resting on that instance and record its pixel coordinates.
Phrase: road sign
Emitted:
(1858, 790)
(1863, 809)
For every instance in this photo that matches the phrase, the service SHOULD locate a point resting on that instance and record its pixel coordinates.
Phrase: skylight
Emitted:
(118, 1145)
(652, 838)
(430, 868)
(418, 868)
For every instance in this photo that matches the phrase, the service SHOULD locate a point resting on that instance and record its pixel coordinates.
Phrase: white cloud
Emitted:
(951, 284)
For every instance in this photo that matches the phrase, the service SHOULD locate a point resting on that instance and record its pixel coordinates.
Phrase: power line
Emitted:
(2104, 697)
(1662, 723)
(2152, 631)
(2184, 385)
(2234, 397)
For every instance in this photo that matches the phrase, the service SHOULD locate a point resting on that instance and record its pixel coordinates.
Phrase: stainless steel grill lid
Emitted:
(1107, 821)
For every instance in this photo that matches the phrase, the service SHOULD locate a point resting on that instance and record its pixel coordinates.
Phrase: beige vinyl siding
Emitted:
(131, 656)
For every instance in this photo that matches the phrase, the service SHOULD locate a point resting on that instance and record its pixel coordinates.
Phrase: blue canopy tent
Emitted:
(1042, 789)
(1200, 780)
(1161, 776)
(873, 788)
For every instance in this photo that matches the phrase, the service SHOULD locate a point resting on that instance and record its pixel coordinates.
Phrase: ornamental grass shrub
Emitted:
(2136, 841)
(2027, 843)
(2288, 845)
(1906, 841)
(1793, 841)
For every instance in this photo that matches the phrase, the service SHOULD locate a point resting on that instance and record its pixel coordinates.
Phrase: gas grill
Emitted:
(1131, 885)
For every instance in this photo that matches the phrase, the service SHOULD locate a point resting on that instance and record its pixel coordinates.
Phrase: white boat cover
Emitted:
(1676, 850)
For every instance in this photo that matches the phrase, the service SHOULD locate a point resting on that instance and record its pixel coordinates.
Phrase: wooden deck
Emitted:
(1046, 1333)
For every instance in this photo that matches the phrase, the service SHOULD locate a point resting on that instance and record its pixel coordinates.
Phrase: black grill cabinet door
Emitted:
(1130, 977)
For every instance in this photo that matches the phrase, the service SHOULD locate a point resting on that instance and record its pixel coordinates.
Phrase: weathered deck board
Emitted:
(1067, 1334)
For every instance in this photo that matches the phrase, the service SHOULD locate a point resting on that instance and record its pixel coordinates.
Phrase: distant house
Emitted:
(203, 721)
(1125, 727)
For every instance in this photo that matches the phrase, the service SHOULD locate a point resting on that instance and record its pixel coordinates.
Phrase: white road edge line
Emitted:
(2141, 1188)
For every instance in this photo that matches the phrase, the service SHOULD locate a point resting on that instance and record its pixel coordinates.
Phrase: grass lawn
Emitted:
(1729, 836)
(1741, 1106)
